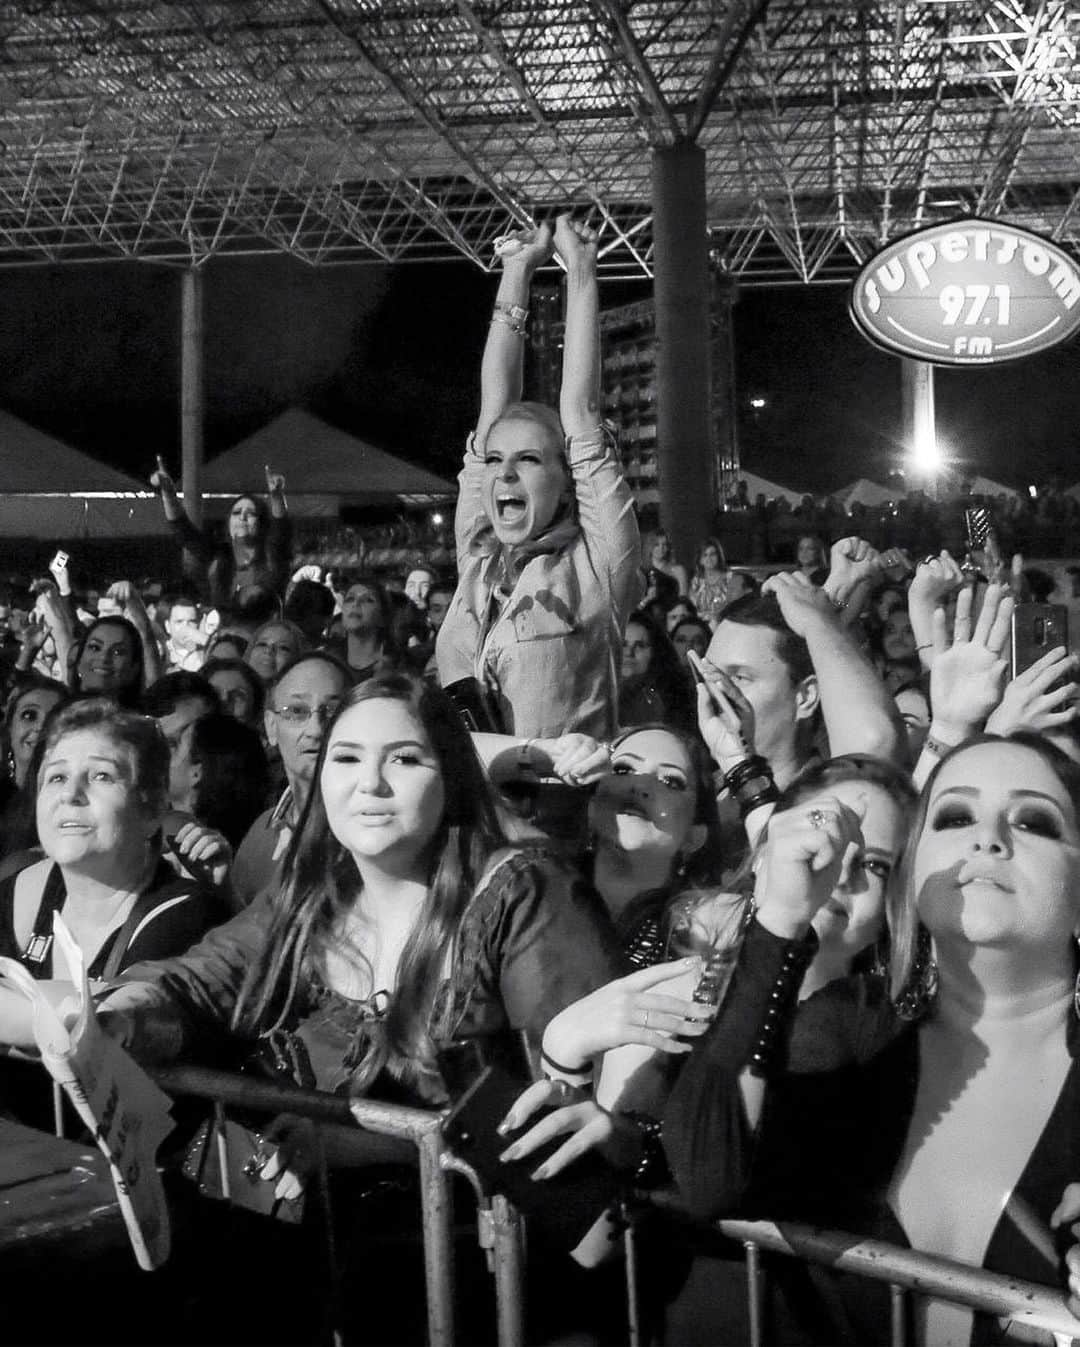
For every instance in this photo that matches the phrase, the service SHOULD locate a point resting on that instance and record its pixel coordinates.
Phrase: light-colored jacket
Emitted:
(549, 658)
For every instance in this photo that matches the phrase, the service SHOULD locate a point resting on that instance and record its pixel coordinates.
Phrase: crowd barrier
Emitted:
(1033, 1312)
(396, 1133)
(392, 1133)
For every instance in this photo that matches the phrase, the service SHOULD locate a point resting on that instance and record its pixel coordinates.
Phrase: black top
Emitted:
(830, 1136)
(169, 917)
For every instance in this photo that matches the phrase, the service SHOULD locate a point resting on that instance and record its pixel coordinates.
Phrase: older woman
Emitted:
(274, 644)
(949, 1124)
(547, 541)
(101, 796)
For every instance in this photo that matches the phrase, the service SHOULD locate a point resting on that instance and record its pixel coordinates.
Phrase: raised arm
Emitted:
(605, 503)
(579, 396)
(501, 368)
(130, 600)
(196, 551)
(859, 714)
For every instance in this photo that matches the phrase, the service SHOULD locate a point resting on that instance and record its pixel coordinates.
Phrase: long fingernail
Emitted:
(542, 1173)
(505, 1126)
(511, 1153)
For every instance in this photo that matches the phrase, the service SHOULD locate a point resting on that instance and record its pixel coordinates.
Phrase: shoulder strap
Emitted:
(145, 903)
(38, 952)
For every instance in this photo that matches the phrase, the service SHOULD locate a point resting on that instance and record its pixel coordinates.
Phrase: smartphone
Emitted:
(59, 562)
(564, 1207)
(474, 706)
(1036, 629)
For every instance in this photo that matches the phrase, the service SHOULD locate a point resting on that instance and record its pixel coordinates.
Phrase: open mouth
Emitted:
(511, 509)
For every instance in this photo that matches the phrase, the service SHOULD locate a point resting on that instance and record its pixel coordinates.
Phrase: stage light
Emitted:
(436, 519)
(926, 454)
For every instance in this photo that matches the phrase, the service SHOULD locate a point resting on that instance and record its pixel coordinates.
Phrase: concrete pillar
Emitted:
(685, 460)
(192, 402)
(920, 429)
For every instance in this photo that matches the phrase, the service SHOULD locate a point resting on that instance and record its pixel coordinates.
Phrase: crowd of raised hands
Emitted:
(770, 888)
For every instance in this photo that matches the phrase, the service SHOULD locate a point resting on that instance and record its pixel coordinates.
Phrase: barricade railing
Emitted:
(1036, 1313)
(394, 1133)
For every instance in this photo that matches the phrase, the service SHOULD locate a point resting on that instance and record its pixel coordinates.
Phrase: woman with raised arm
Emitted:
(547, 541)
(944, 1120)
(259, 545)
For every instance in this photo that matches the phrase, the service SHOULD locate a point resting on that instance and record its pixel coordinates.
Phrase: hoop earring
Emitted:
(918, 996)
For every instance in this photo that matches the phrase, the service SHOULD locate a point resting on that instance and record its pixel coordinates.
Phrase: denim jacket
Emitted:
(550, 658)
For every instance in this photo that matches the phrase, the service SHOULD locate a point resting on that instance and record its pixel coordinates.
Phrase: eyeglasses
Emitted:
(299, 713)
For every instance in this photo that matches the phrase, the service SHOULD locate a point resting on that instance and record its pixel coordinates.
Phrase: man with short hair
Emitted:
(789, 656)
(185, 641)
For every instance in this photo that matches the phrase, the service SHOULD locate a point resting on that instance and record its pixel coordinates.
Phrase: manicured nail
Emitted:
(511, 1153)
(544, 1172)
(504, 1127)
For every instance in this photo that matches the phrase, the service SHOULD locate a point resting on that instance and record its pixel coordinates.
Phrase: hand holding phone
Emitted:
(565, 1205)
(725, 716)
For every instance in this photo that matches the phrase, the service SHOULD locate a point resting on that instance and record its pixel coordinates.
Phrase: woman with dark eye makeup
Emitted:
(944, 1118)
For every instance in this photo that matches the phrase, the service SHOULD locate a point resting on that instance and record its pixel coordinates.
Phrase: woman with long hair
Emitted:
(944, 1117)
(404, 920)
(547, 539)
(709, 583)
(257, 548)
(653, 685)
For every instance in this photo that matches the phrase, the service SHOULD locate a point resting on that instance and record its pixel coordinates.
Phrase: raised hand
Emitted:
(275, 482)
(934, 580)
(128, 597)
(575, 243)
(160, 479)
(802, 860)
(801, 602)
(851, 561)
(526, 249)
(967, 675)
(725, 717)
(639, 1008)
(1040, 698)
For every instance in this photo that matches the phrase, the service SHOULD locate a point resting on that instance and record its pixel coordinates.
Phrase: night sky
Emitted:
(91, 355)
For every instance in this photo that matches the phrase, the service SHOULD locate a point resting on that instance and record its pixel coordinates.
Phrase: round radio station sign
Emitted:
(972, 292)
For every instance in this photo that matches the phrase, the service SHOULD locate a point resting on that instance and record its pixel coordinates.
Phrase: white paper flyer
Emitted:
(119, 1103)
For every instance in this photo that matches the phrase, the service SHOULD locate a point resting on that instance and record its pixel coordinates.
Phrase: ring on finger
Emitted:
(818, 818)
(645, 1020)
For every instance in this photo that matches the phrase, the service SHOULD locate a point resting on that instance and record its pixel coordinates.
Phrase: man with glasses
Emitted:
(301, 701)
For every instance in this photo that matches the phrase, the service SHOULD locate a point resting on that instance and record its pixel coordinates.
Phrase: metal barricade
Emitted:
(1035, 1313)
(394, 1132)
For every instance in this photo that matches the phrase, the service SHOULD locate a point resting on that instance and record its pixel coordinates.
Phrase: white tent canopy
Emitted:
(865, 492)
(50, 490)
(322, 465)
(761, 486)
